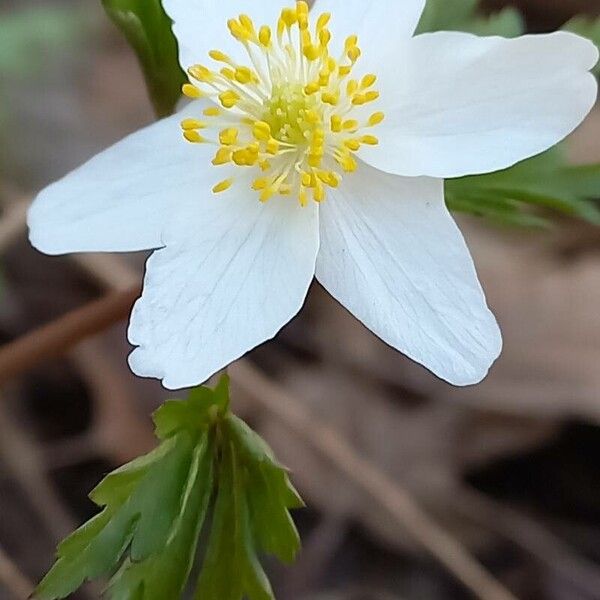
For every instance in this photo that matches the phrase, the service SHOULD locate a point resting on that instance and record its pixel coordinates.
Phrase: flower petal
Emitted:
(457, 104)
(379, 25)
(238, 275)
(122, 198)
(393, 256)
(201, 25)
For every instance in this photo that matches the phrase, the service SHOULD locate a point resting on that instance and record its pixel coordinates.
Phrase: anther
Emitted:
(191, 91)
(193, 137)
(190, 124)
(376, 119)
(264, 36)
(229, 98)
(284, 124)
(222, 186)
(212, 111)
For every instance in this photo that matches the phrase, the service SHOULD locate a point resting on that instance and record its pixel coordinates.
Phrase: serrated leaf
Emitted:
(148, 30)
(232, 548)
(146, 537)
(543, 181)
(165, 574)
(142, 503)
(269, 493)
(251, 517)
(91, 551)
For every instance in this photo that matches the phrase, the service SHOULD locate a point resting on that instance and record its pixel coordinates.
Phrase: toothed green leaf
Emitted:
(251, 517)
(146, 537)
(165, 573)
(545, 181)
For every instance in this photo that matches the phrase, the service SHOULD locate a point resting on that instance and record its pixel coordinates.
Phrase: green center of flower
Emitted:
(296, 116)
(290, 113)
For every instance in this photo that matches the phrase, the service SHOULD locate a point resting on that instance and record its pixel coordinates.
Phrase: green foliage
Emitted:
(154, 509)
(148, 30)
(251, 513)
(523, 194)
(545, 181)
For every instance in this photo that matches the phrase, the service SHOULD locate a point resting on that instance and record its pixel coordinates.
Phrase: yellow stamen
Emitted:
(376, 119)
(193, 124)
(194, 137)
(191, 91)
(289, 114)
(223, 186)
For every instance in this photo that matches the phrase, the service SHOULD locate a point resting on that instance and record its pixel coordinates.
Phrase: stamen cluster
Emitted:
(296, 114)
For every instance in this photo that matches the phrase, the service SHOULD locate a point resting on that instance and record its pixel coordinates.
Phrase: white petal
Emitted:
(393, 256)
(457, 104)
(240, 273)
(379, 24)
(121, 199)
(201, 25)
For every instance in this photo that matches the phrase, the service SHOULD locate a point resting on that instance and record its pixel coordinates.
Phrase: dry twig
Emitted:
(55, 338)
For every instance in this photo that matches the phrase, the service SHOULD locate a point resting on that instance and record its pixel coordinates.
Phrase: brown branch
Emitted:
(60, 335)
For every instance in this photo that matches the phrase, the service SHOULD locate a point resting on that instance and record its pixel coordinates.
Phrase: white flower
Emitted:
(316, 146)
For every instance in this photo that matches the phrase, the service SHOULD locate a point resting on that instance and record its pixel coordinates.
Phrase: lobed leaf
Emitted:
(251, 516)
(165, 573)
(543, 181)
(154, 509)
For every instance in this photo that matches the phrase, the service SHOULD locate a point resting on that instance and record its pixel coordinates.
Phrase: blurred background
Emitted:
(509, 468)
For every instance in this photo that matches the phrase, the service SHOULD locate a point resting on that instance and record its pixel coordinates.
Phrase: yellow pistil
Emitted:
(294, 114)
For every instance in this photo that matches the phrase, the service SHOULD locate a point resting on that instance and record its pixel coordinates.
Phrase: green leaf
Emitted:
(203, 407)
(544, 181)
(148, 30)
(251, 516)
(154, 509)
(142, 504)
(164, 574)
(232, 549)
(270, 493)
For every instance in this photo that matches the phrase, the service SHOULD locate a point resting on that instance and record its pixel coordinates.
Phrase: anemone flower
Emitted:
(316, 143)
